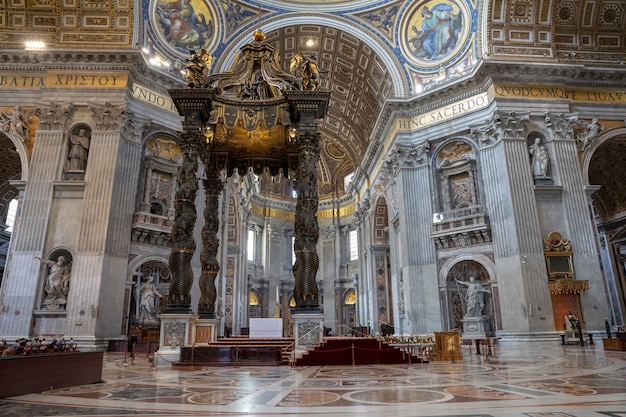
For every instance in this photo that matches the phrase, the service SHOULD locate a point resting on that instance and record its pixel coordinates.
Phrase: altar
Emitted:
(268, 328)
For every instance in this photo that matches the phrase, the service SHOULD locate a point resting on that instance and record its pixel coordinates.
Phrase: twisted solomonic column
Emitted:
(184, 245)
(306, 226)
(213, 186)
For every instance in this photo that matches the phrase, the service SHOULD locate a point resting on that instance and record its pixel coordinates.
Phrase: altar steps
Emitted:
(354, 351)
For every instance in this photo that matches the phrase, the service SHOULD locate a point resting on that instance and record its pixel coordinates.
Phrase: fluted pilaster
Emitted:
(84, 302)
(21, 280)
(580, 232)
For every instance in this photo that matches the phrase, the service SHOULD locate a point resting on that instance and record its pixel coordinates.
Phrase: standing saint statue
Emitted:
(77, 155)
(539, 159)
(149, 293)
(58, 280)
(474, 297)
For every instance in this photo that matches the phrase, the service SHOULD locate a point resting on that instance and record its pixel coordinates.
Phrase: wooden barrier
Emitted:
(37, 373)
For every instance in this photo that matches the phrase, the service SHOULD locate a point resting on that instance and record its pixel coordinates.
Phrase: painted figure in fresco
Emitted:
(235, 14)
(474, 297)
(438, 34)
(383, 18)
(182, 27)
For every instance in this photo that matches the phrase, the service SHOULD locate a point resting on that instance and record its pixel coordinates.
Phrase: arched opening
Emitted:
(606, 171)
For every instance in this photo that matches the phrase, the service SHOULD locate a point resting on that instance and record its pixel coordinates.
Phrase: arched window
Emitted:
(11, 213)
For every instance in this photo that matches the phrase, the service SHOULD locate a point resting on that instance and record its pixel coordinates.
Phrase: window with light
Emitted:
(250, 249)
(347, 180)
(11, 213)
(353, 243)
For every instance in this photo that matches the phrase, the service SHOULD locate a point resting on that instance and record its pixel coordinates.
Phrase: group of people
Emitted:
(25, 346)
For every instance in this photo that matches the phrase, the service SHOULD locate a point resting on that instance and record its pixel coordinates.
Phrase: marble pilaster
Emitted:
(124, 184)
(92, 260)
(418, 262)
(22, 286)
(580, 231)
(517, 239)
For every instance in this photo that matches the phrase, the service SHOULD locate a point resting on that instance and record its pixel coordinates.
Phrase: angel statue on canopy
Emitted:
(307, 69)
(197, 69)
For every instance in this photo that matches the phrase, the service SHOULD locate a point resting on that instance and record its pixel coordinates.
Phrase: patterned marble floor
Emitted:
(536, 380)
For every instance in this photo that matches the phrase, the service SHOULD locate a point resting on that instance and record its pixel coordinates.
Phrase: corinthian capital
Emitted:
(107, 116)
(54, 116)
(562, 125)
(411, 156)
(362, 211)
(489, 132)
(514, 123)
(131, 128)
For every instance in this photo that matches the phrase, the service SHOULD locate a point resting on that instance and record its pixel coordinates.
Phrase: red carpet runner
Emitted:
(354, 351)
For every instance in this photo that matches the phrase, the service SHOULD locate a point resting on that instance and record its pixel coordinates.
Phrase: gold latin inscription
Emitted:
(445, 112)
(156, 99)
(574, 94)
(286, 215)
(71, 80)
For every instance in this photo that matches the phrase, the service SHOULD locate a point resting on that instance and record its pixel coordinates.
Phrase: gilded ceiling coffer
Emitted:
(253, 116)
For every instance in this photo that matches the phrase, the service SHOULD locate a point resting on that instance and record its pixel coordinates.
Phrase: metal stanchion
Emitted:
(353, 354)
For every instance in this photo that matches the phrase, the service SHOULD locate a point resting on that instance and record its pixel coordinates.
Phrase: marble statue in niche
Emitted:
(539, 159)
(474, 297)
(78, 150)
(57, 284)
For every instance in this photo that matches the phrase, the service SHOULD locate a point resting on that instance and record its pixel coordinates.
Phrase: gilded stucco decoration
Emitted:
(453, 153)
(570, 31)
(93, 23)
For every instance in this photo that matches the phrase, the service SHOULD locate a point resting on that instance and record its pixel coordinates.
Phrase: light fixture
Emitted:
(310, 42)
(34, 45)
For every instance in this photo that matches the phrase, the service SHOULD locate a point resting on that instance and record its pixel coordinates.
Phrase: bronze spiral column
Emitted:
(213, 186)
(306, 226)
(183, 243)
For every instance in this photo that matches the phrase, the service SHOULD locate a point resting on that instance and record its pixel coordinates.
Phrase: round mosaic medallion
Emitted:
(181, 26)
(434, 33)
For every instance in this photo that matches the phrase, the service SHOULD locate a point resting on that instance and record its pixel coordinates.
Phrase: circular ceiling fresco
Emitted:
(435, 32)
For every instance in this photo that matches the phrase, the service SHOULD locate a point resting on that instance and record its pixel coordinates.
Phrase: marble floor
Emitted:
(535, 380)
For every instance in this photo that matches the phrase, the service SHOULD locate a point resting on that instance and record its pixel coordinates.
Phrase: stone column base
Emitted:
(204, 331)
(176, 332)
(308, 329)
